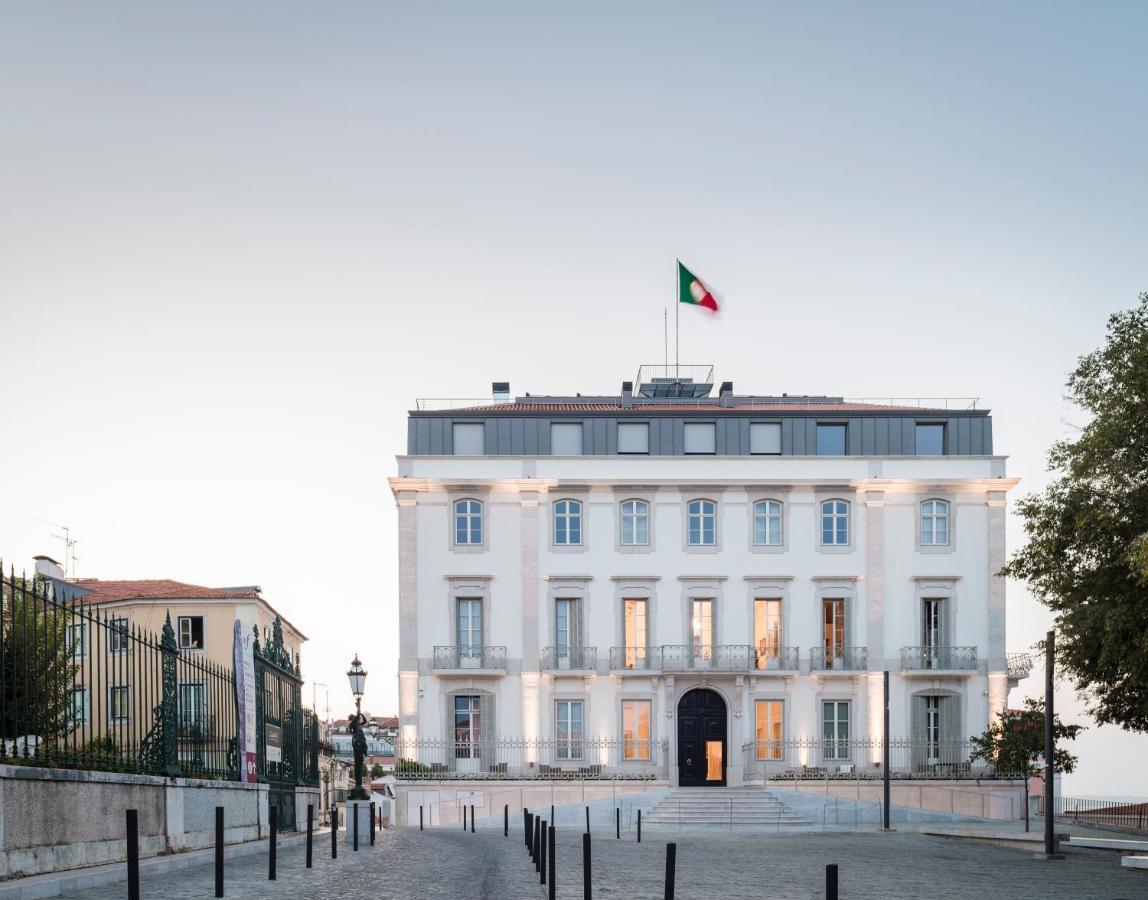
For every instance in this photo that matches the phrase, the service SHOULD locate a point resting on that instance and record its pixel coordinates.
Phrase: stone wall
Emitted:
(978, 799)
(57, 819)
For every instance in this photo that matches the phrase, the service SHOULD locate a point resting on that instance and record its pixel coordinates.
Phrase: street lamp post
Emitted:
(357, 676)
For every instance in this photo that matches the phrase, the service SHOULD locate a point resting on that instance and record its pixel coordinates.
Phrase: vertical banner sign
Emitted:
(244, 661)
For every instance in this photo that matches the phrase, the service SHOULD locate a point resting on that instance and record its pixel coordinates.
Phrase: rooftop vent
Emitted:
(500, 391)
(663, 381)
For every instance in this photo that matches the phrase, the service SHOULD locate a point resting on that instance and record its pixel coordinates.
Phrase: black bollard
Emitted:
(464, 817)
(550, 859)
(420, 818)
(472, 818)
(831, 882)
(334, 832)
(355, 816)
(530, 834)
(671, 861)
(506, 820)
(639, 826)
(618, 822)
(372, 823)
(587, 893)
(537, 842)
(271, 844)
(133, 827)
(526, 821)
(310, 827)
(587, 819)
(219, 851)
(542, 853)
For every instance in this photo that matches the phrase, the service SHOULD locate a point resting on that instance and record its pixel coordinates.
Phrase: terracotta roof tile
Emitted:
(157, 589)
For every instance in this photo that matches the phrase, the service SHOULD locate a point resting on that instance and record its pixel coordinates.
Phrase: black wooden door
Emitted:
(701, 738)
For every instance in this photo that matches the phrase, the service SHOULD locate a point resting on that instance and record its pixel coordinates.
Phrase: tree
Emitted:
(1087, 554)
(1015, 741)
(376, 771)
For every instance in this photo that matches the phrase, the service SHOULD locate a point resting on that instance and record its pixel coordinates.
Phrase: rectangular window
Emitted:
(830, 440)
(568, 728)
(118, 703)
(566, 439)
(833, 631)
(79, 706)
(702, 629)
(634, 438)
(117, 635)
(930, 439)
(767, 633)
(765, 438)
(469, 438)
(635, 523)
(636, 729)
(469, 630)
(192, 722)
(933, 729)
(700, 439)
(635, 634)
(835, 729)
(191, 632)
(467, 726)
(77, 640)
(566, 632)
(769, 729)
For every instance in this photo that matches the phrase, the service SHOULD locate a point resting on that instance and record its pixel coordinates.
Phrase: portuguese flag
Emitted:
(692, 290)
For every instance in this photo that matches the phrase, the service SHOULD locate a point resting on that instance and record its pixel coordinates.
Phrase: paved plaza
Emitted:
(447, 863)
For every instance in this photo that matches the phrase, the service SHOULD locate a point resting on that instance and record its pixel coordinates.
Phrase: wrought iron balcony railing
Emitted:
(636, 659)
(782, 658)
(914, 659)
(559, 659)
(470, 657)
(724, 657)
(848, 659)
(1019, 665)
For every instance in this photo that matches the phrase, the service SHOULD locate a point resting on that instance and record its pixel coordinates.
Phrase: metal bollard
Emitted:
(472, 818)
(831, 881)
(618, 822)
(587, 819)
(553, 866)
(542, 853)
(355, 816)
(271, 843)
(639, 826)
(310, 829)
(372, 823)
(420, 817)
(506, 820)
(133, 827)
(334, 832)
(587, 892)
(671, 862)
(537, 842)
(526, 825)
(219, 851)
(464, 817)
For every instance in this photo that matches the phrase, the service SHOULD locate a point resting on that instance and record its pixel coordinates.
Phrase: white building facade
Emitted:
(702, 589)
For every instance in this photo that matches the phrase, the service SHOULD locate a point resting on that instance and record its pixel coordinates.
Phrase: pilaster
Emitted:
(996, 502)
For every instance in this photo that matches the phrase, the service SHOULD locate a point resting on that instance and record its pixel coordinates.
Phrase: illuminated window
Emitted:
(636, 729)
(767, 633)
(769, 734)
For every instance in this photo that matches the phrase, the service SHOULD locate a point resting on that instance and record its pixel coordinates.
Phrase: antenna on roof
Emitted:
(69, 546)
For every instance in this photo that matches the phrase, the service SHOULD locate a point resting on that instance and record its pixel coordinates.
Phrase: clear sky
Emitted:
(238, 240)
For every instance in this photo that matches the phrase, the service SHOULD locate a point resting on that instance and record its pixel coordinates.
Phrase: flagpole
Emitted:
(677, 329)
(666, 335)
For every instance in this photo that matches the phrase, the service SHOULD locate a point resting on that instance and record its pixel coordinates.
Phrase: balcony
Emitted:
(720, 658)
(930, 660)
(473, 660)
(1019, 665)
(778, 659)
(569, 659)
(846, 660)
(635, 660)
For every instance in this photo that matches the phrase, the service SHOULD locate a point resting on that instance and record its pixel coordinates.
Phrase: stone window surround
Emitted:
(834, 692)
(688, 495)
(753, 497)
(940, 587)
(833, 587)
(635, 587)
(551, 725)
(770, 694)
(919, 499)
(650, 697)
(567, 587)
(482, 495)
(469, 689)
(460, 587)
(702, 587)
(580, 494)
(644, 493)
(769, 587)
(937, 689)
(850, 497)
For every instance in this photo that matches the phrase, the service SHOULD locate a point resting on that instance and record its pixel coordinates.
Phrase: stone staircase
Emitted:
(709, 806)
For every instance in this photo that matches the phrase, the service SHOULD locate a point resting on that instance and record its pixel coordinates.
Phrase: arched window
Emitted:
(567, 522)
(468, 522)
(635, 523)
(934, 523)
(767, 523)
(834, 523)
(701, 525)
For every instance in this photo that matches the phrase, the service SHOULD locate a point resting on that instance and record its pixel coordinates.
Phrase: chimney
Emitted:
(627, 394)
(725, 394)
(500, 391)
(48, 567)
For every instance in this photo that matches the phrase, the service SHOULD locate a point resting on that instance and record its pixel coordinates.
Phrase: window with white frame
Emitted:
(765, 438)
(835, 729)
(700, 439)
(834, 523)
(190, 632)
(467, 726)
(635, 729)
(468, 629)
(702, 628)
(469, 438)
(192, 718)
(935, 523)
(767, 632)
(566, 439)
(701, 523)
(634, 523)
(117, 635)
(567, 523)
(769, 729)
(767, 523)
(634, 438)
(77, 640)
(568, 729)
(118, 703)
(468, 522)
(79, 711)
(634, 632)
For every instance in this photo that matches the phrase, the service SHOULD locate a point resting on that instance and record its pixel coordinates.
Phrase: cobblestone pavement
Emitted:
(447, 863)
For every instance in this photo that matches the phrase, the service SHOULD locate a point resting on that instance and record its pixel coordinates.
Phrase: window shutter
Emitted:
(951, 718)
(469, 438)
(764, 437)
(699, 438)
(917, 731)
(566, 439)
(943, 616)
(633, 437)
(576, 633)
